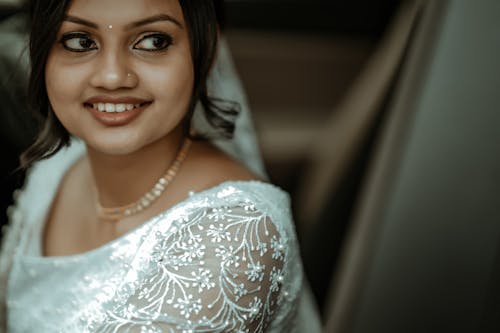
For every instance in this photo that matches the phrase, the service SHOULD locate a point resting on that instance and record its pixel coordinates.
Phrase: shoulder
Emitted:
(227, 260)
(44, 177)
(220, 252)
(248, 199)
(49, 172)
(208, 166)
(233, 203)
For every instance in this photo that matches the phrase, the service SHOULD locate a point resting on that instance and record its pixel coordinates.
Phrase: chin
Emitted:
(113, 145)
(110, 149)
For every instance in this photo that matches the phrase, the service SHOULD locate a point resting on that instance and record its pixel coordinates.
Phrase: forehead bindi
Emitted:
(116, 14)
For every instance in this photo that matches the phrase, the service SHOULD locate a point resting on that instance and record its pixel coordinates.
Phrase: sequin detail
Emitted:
(222, 261)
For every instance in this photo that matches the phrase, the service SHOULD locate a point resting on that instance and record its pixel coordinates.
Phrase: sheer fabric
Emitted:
(223, 260)
(224, 83)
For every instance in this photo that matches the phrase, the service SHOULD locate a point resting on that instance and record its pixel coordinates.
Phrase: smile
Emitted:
(112, 104)
(111, 111)
(112, 107)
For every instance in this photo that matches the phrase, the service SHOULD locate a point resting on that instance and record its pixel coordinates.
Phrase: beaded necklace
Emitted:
(114, 214)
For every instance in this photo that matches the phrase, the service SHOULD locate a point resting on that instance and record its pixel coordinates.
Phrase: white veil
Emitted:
(225, 83)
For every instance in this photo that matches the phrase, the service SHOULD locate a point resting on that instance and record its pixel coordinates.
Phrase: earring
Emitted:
(110, 26)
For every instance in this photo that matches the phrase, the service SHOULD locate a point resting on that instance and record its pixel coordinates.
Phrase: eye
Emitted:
(154, 42)
(78, 42)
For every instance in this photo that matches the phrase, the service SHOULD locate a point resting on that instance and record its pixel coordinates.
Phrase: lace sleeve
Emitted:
(217, 270)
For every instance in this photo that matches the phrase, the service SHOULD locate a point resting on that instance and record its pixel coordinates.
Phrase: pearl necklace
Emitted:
(114, 214)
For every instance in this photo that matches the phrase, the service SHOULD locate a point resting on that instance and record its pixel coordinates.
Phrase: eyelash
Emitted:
(74, 35)
(166, 42)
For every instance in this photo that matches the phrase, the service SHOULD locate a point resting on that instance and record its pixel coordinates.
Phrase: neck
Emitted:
(122, 179)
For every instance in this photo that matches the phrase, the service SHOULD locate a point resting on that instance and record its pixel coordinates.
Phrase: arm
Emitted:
(222, 270)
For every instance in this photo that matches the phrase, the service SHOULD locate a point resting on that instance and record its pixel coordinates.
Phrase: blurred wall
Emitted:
(425, 253)
(296, 59)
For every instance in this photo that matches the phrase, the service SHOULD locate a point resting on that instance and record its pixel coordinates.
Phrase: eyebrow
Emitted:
(136, 24)
(155, 18)
(81, 21)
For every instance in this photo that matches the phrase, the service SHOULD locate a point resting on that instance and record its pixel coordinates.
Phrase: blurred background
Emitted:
(382, 120)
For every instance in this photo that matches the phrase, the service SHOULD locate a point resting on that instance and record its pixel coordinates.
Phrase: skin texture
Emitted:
(124, 159)
(117, 67)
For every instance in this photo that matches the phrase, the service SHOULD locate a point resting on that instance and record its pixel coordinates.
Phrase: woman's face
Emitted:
(120, 73)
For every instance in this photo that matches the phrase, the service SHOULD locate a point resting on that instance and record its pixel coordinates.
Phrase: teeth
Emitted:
(110, 107)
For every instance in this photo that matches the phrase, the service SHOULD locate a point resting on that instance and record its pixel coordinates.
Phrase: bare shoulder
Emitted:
(73, 190)
(208, 166)
(76, 176)
(71, 203)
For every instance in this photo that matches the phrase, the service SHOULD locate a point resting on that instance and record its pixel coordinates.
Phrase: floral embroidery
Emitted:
(262, 248)
(219, 214)
(218, 265)
(276, 279)
(255, 272)
(188, 306)
(218, 233)
(204, 279)
(278, 246)
(193, 249)
(254, 308)
(227, 255)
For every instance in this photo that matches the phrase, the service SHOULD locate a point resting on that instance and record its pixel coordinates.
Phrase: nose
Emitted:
(112, 71)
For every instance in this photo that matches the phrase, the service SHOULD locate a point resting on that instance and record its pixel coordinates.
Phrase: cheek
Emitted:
(63, 85)
(171, 87)
(175, 75)
(172, 84)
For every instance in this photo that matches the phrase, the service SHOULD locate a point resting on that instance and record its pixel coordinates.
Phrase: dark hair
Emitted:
(45, 18)
(220, 12)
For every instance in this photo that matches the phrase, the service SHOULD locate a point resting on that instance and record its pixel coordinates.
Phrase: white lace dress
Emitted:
(223, 260)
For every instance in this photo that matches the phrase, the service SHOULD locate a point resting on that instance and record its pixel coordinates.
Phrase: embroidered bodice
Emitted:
(223, 260)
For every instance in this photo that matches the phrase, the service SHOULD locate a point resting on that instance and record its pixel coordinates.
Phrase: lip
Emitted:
(116, 100)
(116, 118)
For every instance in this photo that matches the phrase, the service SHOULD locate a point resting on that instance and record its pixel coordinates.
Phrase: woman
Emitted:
(137, 227)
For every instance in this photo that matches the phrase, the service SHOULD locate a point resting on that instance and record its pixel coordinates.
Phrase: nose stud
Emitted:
(110, 26)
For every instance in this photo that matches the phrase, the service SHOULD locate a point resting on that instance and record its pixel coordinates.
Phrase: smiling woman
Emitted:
(131, 220)
(143, 61)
